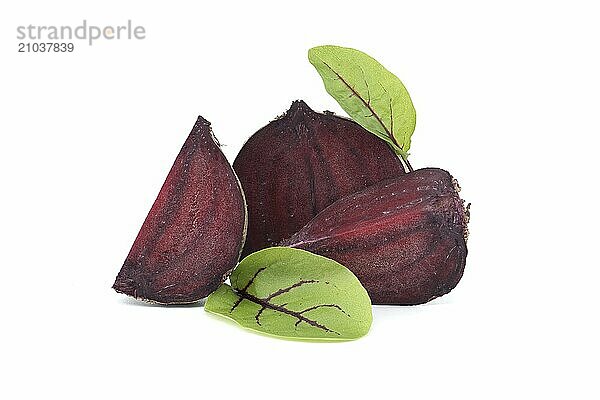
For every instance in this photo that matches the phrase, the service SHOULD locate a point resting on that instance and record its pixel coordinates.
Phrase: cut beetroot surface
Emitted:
(299, 164)
(194, 232)
(404, 238)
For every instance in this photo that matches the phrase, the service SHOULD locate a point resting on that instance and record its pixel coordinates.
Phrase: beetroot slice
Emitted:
(194, 232)
(404, 238)
(302, 162)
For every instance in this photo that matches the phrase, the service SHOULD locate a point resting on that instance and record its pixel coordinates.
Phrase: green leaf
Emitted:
(292, 293)
(369, 93)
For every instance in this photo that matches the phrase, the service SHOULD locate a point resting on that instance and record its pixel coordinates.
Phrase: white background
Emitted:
(507, 98)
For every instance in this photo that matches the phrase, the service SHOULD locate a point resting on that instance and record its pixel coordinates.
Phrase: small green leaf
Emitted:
(369, 93)
(294, 294)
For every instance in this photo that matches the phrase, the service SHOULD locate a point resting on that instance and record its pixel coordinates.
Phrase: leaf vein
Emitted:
(363, 101)
(266, 304)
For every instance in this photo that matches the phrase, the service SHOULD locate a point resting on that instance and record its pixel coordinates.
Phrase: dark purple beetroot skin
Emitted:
(299, 164)
(194, 232)
(404, 238)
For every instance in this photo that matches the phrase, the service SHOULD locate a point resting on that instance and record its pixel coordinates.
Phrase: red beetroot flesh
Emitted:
(194, 232)
(299, 164)
(404, 238)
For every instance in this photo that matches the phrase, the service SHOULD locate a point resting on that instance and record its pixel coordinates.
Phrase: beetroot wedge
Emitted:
(194, 232)
(302, 162)
(404, 238)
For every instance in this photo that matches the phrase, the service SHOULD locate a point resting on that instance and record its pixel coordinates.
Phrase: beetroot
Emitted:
(302, 162)
(194, 232)
(404, 238)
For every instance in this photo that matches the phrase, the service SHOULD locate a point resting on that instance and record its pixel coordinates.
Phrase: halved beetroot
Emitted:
(194, 233)
(404, 238)
(302, 162)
